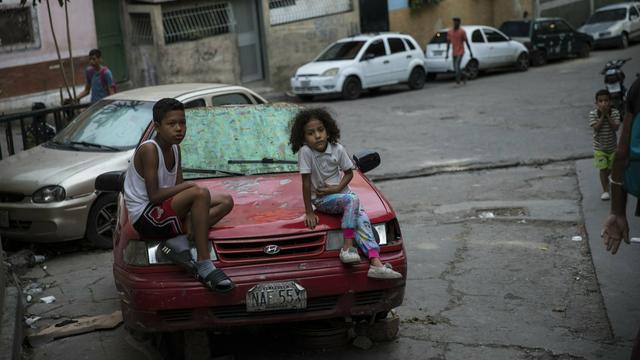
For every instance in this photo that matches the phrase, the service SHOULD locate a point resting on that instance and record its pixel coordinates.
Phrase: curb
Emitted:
(11, 332)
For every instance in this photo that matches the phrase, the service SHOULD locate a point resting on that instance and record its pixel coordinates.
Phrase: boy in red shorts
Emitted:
(159, 200)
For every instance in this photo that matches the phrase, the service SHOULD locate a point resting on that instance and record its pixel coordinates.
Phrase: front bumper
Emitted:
(52, 222)
(173, 301)
(607, 42)
(312, 85)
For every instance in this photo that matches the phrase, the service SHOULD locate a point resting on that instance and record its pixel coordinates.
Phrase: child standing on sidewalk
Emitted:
(326, 172)
(604, 120)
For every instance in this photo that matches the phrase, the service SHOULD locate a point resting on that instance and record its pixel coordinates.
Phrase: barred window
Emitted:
(18, 28)
(274, 4)
(197, 22)
(141, 33)
(296, 10)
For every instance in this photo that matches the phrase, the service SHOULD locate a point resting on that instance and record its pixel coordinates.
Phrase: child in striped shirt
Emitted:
(604, 120)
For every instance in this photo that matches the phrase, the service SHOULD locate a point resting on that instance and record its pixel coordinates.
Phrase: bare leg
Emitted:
(196, 202)
(604, 180)
(221, 205)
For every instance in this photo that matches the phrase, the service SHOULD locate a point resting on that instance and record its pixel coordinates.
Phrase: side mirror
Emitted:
(112, 181)
(368, 56)
(366, 160)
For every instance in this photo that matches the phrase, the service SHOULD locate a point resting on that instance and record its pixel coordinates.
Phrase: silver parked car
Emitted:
(614, 25)
(47, 193)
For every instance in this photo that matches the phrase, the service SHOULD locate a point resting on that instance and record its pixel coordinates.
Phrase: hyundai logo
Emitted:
(271, 249)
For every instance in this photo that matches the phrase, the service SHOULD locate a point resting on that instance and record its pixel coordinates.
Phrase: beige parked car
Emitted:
(47, 193)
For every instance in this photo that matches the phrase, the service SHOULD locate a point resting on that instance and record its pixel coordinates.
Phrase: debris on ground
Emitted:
(48, 299)
(30, 321)
(576, 238)
(37, 259)
(635, 240)
(32, 289)
(362, 342)
(77, 326)
(20, 259)
(486, 215)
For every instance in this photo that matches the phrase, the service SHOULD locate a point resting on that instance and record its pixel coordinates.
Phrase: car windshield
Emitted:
(516, 28)
(341, 51)
(607, 16)
(439, 38)
(108, 125)
(238, 140)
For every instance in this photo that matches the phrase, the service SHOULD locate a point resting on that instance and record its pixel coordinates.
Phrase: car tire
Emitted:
(522, 63)
(417, 78)
(624, 41)
(431, 76)
(305, 97)
(538, 58)
(101, 221)
(472, 69)
(352, 88)
(585, 51)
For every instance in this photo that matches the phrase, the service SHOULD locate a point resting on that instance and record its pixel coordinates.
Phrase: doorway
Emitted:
(374, 16)
(249, 42)
(109, 33)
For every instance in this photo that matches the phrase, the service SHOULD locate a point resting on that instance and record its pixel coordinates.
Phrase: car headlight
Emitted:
(331, 72)
(386, 233)
(144, 253)
(49, 194)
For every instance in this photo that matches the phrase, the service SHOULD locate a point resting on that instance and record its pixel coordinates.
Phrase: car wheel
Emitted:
(305, 97)
(352, 88)
(522, 64)
(624, 41)
(431, 76)
(472, 69)
(416, 78)
(102, 221)
(538, 58)
(585, 51)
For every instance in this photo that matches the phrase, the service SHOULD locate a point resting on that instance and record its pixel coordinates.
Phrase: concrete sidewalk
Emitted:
(618, 275)
(11, 333)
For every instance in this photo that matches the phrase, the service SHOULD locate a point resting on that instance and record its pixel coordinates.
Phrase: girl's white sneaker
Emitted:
(349, 256)
(383, 272)
(605, 196)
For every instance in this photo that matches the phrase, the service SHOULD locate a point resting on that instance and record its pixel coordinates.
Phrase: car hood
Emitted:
(318, 67)
(598, 27)
(271, 205)
(41, 166)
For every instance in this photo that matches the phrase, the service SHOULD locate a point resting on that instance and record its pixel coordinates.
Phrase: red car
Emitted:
(283, 271)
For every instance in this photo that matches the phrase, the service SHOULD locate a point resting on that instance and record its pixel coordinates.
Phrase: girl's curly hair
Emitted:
(303, 117)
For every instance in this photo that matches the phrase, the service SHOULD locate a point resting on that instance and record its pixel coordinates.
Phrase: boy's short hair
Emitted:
(603, 92)
(163, 106)
(96, 53)
(456, 19)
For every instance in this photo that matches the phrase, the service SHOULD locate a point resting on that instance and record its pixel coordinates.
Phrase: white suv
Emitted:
(366, 61)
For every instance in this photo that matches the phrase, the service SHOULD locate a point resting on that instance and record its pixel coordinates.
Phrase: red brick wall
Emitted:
(27, 79)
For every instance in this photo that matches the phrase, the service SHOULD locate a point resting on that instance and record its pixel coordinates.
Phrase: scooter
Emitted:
(614, 81)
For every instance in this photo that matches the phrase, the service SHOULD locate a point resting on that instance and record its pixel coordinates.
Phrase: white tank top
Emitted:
(135, 190)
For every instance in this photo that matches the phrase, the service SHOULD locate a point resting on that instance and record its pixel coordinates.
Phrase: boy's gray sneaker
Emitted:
(349, 256)
(383, 273)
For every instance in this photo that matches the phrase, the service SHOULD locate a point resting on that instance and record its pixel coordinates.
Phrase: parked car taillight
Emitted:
(143, 253)
(388, 233)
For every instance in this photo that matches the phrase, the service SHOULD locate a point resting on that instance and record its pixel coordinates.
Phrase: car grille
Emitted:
(369, 298)
(289, 247)
(306, 75)
(6, 197)
(307, 88)
(176, 315)
(240, 311)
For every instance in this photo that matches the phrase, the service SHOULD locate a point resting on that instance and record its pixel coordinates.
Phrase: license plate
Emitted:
(615, 87)
(4, 218)
(437, 52)
(305, 82)
(276, 296)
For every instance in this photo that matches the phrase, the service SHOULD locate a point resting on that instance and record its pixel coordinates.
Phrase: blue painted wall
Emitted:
(398, 4)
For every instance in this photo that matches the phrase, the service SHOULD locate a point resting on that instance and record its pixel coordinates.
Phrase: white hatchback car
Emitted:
(614, 25)
(491, 49)
(366, 61)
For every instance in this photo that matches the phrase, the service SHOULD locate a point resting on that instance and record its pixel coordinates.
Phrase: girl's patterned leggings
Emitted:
(355, 221)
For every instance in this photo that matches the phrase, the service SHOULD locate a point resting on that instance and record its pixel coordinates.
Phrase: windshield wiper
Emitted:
(211, 171)
(88, 144)
(262, 161)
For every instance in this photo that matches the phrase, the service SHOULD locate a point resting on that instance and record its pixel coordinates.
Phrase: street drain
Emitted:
(501, 212)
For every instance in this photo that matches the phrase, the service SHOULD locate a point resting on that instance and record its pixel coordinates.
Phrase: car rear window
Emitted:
(516, 28)
(439, 38)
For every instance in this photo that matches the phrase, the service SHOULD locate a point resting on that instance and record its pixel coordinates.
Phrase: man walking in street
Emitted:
(456, 38)
(99, 80)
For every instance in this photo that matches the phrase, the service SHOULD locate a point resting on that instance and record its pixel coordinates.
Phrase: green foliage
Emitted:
(417, 4)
